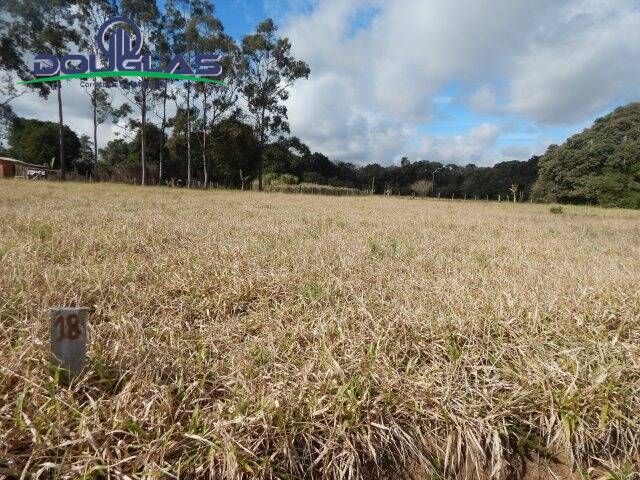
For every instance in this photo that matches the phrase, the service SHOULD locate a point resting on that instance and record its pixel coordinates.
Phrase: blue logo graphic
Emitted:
(120, 42)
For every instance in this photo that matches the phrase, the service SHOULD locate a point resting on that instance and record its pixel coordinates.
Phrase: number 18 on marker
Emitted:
(69, 339)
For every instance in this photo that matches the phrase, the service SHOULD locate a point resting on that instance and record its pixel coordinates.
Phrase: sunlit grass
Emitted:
(241, 335)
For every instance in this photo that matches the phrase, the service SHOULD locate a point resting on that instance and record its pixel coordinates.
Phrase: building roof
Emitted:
(28, 165)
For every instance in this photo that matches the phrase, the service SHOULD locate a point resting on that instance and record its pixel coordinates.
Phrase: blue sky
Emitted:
(453, 117)
(449, 111)
(461, 81)
(240, 17)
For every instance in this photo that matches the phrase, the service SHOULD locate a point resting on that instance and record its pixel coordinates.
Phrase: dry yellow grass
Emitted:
(246, 335)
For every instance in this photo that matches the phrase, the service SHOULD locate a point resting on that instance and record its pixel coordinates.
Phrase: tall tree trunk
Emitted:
(162, 129)
(144, 124)
(205, 165)
(260, 165)
(95, 124)
(188, 135)
(61, 132)
(260, 149)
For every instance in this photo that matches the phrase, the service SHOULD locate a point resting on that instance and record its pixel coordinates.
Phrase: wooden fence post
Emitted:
(68, 339)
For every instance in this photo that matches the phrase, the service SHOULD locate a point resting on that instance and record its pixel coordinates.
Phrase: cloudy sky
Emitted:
(455, 81)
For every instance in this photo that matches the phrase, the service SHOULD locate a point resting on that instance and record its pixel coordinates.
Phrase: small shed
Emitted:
(10, 167)
(7, 167)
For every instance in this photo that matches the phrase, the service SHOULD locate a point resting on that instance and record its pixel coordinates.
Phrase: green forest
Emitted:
(599, 166)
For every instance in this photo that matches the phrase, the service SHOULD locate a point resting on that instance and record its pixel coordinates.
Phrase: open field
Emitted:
(241, 335)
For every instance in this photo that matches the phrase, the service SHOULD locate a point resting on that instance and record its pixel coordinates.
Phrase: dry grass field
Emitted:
(245, 335)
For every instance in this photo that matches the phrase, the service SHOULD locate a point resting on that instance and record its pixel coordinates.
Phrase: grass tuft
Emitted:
(556, 209)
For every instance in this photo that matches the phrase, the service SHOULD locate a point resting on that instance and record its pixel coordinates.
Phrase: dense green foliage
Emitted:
(232, 152)
(35, 141)
(601, 165)
(233, 146)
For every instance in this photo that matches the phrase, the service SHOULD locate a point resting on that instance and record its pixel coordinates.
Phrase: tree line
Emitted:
(231, 162)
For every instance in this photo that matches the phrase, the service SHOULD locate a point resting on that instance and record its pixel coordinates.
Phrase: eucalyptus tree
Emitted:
(16, 43)
(146, 15)
(271, 70)
(91, 15)
(165, 35)
(202, 33)
(11, 64)
(38, 27)
(218, 100)
(221, 101)
(8, 93)
(169, 42)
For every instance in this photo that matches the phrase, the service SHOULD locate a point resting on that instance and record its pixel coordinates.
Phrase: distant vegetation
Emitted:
(35, 141)
(232, 152)
(600, 165)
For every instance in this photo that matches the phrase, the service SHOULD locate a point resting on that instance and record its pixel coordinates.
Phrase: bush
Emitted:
(421, 187)
(273, 179)
(312, 188)
(287, 179)
(313, 177)
(632, 200)
(556, 210)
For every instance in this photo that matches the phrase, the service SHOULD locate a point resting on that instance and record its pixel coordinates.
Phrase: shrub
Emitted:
(312, 188)
(556, 209)
(421, 187)
(287, 179)
(272, 179)
(632, 200)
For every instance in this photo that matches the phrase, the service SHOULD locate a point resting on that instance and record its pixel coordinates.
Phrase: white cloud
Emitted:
(546, 61)
(383, 69)
(484, 99)
(517, 152)
(77, 113)
(471, 147)
(585, 60)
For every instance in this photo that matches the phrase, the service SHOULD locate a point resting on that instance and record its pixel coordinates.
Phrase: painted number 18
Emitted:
(70, 327)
